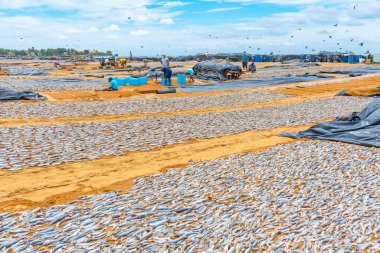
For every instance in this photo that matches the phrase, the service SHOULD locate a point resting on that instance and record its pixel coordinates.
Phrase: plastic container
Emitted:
(351, 59)
(134, 81)
(143, 80)
(120, 82)
(181, 80)
(258, 58)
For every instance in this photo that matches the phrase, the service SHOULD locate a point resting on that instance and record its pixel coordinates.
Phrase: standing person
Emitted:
(165, 61)
(244, 60)
(190, 73)
(167, 75)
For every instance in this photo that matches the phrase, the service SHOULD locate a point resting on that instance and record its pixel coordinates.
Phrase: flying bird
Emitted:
(338, 44)
(361, 44)
(336, 25)
(330, 37)
(306, 47)
(352, 40)
(355, 6)
(247, 38)
(292, 36)
(258, 48)
(129, 18)
(142, 46)
(299, 29)
(313, 50)
(324, 40)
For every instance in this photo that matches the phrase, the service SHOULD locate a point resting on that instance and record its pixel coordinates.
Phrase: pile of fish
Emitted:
(322, 198)
(63, 84)
(57, 110)
(42, 145)
(31, 71)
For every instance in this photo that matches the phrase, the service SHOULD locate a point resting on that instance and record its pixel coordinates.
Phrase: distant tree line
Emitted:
(51, 52)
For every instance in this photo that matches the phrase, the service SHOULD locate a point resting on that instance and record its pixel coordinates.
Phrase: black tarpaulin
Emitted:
(361, 128)
(11, 95)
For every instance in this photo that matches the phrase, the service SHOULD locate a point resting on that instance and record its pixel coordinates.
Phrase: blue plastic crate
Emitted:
(143, 80)
(181, 80)
(134, 81)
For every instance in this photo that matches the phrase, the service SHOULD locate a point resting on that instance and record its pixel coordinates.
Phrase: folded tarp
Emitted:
(359, 128)
(11, 95)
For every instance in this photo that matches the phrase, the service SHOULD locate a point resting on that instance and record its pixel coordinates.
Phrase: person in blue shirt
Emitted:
(244, 60)
(190, 74)
(167, 75)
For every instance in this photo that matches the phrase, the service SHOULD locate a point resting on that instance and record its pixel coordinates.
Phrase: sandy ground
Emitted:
(47, 186)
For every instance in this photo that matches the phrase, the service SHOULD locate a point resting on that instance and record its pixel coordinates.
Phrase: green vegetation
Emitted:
(51, 52)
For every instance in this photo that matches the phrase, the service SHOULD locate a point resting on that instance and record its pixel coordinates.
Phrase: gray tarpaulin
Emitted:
(9, 95)
(359, 128)
(210, 70)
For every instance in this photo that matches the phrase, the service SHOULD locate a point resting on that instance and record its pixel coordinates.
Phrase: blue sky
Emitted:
(150, 27)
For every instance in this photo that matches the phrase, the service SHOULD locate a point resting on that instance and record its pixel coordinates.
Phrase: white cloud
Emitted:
(113, 36)
(173, 4)
(222, 9)
(93, 29)
(167, 21)
(112, 28)
(73, 30)
(139, 32)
